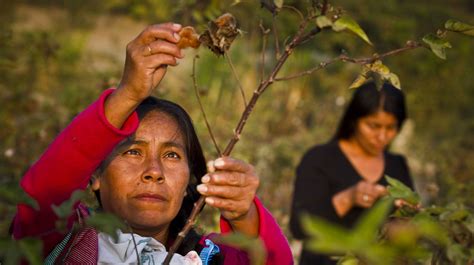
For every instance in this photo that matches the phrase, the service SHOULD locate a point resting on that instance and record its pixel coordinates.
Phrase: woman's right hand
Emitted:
(147, 58)
(365, 194)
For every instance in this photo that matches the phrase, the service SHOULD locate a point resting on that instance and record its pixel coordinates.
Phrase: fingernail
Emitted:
(219, 162)
(176, 26)
(209, 200)
(176, 36)
(202, 188)
(210, 166)
(205, 179)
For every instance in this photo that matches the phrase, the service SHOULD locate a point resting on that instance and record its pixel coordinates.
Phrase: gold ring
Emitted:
(365, 198)
(149, 49)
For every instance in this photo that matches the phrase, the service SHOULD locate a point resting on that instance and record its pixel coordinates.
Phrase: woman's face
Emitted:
(146, 180)
(374, 132)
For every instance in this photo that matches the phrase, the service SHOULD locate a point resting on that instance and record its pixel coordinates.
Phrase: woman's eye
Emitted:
(371, 125)
(132, 152)
(173, 155)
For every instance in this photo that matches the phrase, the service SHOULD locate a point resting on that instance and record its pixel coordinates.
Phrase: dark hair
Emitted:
(197, 166)
(367, 100)
(196, 160)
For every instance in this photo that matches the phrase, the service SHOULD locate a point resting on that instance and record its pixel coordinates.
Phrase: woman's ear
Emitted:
(95, 183)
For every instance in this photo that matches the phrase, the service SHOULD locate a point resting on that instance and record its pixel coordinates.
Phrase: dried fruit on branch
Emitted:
(220, 33)
(188, 38)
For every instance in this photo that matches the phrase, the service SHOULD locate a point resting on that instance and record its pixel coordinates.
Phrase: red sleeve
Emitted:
(66, 166)
(278, 249)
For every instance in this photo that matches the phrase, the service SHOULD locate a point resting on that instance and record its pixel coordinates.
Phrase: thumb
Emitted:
(381, 190)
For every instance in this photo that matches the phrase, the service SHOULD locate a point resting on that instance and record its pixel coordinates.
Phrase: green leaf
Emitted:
(253, 246)
(32, 250)
(323, 22)
(398, 190)
(348, 260)
(346, 22)
(458, 26)
(12, 193)
(361, 78)
(368, 225)
(454, 215)
(428, 227)
(437, 45)
(327, 237)
(278, 3)
(65, 209)
(107, 223)
(394, 80)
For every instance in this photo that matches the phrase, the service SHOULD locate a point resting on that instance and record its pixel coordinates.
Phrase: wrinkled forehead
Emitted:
(159, 126)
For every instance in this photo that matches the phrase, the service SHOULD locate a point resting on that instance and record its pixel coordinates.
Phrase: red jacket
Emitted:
(68, 164)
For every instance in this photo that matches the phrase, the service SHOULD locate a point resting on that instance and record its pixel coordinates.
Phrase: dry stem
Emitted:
(344, 58)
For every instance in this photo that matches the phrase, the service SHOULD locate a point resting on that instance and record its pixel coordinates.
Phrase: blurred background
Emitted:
(57, 56)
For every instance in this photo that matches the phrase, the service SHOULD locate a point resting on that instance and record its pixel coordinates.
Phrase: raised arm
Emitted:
(70, 160)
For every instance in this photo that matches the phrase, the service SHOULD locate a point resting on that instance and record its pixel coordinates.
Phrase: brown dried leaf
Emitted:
(188, 38)
(220, 33)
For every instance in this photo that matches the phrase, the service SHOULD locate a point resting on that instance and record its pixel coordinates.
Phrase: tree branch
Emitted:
(344, 58)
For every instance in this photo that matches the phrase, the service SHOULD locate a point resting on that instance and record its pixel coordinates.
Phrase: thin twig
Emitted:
(320, 66)
(410, 45)
(275, 34)
(196, 90)
(344, 58)
(234, 72)
(264, 44)
(296, 10)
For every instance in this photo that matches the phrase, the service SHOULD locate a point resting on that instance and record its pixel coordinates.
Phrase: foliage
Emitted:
(410, 235)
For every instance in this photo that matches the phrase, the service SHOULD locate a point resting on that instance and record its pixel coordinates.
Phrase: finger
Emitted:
(381, 190)
(226, 178)
(210, 166)
(161, 59)
(224, 204)
(228, 192)
(161, 46)
(231, 164)
(167, 31)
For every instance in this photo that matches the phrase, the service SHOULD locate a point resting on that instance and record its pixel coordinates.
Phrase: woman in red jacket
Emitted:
(148, 170)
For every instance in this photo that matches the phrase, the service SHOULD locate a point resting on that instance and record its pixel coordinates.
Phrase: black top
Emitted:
(324, 171)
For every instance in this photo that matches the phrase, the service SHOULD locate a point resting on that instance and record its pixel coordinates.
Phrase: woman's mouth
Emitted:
(150, 197)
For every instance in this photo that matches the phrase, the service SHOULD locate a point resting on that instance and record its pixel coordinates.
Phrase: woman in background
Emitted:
(339, 180)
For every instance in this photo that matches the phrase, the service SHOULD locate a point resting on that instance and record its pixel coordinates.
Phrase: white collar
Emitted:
(151, 251)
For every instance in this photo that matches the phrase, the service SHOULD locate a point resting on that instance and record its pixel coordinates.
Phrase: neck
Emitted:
(159, 234)
(354, 148)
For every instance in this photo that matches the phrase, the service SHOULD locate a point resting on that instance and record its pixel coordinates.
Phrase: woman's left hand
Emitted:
(231, 186)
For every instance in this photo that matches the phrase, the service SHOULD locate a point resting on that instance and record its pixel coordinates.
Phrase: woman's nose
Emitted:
(153, 172)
